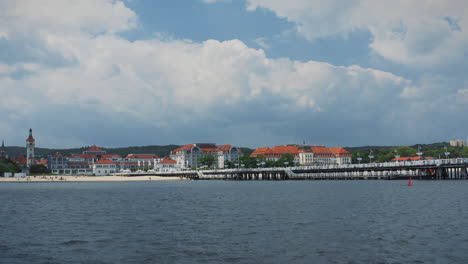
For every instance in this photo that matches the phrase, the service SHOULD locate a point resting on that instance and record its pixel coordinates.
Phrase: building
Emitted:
(458, 143)
(21, 161)
(94, 150)
(30, 144)
(305, 155)
(142, 160)
(83, 164)
(57, 161)
(104, 167)
(79, 164)
(342, 156)
(188, 156)
(167, 165)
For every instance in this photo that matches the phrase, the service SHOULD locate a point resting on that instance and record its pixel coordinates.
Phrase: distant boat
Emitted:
(410, 182)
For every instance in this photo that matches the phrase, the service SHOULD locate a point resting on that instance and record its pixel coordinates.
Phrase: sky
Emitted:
(243, 72)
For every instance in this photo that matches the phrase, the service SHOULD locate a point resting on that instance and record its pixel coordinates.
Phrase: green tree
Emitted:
(7, 165)
(260, 159)
(207, 160)
(405, 151)
(286, 160)
(464, 152)
(228, 164)
(249, 162)
(38, 168)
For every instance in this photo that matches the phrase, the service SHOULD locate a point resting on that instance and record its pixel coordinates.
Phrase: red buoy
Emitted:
(410, 182)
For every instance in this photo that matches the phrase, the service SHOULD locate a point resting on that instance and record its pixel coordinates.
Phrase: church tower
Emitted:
(2, 151)
(30, 144)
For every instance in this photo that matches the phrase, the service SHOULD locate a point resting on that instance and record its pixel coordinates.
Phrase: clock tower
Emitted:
(30, 144)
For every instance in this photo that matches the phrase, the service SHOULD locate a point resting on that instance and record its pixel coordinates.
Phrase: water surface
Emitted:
(234, 222)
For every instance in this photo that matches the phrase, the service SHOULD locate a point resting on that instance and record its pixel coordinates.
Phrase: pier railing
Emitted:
(438, 169)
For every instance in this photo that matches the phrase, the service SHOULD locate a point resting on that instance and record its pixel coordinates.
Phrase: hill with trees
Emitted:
(380, 153)
(387, 153)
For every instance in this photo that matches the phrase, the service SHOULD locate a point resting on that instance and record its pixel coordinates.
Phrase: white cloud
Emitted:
(158, 77)
(167, 83)
(262, 43)
(214, 1)
(419, 33)
(23, 17)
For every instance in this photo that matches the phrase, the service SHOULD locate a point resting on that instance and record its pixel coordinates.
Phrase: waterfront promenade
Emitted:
(439, 169)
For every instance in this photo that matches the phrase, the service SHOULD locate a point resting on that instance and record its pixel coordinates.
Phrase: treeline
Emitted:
(385, 154)
(7, 165)
(124, 151)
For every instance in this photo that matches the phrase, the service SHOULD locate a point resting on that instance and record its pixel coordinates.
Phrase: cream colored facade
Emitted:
(458, 143)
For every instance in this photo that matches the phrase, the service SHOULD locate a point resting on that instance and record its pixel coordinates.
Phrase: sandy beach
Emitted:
(62, 178)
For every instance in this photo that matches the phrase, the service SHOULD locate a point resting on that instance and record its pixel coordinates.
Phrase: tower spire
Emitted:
(2, 150)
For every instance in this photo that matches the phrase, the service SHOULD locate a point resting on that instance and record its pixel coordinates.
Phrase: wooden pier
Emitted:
(446, 169)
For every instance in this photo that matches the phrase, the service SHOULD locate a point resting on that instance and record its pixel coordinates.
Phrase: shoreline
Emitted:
(68, 178)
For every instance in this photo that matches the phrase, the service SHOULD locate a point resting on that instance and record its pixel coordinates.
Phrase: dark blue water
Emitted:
(234, 222)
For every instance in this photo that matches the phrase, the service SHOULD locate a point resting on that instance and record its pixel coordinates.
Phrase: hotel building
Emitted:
(188, 156)
(305, 155)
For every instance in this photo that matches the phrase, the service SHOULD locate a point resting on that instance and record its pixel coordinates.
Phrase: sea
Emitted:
(365, 221)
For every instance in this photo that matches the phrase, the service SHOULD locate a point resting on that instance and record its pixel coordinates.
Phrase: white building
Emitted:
(305, 155)
(143, 160)
(167, 165)
(342, 156)
(188, 156)
(458, 143)
(104, 167)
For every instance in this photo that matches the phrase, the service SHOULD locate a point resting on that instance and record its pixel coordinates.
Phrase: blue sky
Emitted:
(243, 72)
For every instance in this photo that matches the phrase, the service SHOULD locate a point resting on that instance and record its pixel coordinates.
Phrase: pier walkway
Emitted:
(439, 169)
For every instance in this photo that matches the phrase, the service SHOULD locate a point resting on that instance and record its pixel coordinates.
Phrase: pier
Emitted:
(441, 169)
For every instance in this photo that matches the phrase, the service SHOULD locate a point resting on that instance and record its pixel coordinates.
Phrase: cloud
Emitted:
(108, 89)
(215, 1)
(416, 33)
(21, 17)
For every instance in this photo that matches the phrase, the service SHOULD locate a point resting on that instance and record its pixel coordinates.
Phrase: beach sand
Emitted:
(63, 178)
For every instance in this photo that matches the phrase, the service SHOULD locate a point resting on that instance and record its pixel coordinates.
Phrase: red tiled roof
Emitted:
(107, 156)
(43, 162)
(340, 152)
(95, 148)
(21, 160)
(30, 139)
(209, 149)
(58, 154)
(104, 161)
(321, 150)
(276, 151)
(167, 160)
(261, 151)
(142, 156)
(224, 148)
(187, 147)
(285, 149)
